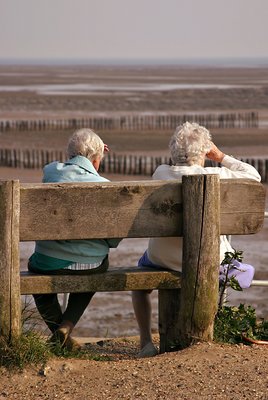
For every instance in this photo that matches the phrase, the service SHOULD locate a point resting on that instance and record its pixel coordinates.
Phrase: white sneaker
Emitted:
(149, 350)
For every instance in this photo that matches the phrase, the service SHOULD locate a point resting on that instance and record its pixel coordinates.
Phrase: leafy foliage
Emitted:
(227, 281)
(232, 322)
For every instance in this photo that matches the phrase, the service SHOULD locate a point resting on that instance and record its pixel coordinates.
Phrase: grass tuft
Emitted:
(27, 349)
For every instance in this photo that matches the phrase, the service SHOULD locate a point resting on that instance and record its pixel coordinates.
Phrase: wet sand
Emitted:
(243, 89)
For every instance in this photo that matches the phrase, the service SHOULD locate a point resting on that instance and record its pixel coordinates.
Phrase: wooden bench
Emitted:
(200, 209)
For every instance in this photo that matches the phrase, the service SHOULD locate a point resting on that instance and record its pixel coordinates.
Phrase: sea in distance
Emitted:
(221, 62)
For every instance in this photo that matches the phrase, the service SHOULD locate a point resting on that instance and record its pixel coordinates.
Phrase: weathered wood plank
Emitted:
(242, 206)
(120, 279)
(129, 209)
(15, 298)
(9, 259)
(80, 211)
(200, 267)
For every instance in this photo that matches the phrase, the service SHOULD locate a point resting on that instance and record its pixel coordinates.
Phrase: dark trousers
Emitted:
(48, 304)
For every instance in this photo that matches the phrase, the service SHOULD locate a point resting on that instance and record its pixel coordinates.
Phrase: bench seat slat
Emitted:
(115, 279)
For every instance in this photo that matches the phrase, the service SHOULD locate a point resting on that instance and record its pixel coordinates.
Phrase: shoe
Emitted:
(71, 344)
(59, 337)
(149, 350)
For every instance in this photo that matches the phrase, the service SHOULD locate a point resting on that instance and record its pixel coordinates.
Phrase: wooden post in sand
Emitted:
(200, 268)
(10, 307)
(187, 315)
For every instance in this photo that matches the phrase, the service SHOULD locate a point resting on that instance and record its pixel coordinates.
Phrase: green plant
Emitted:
(32, 347)
(262, 331)
(226, 280)
(30, 317)
(28, 348)
(84, 353)
(232, 323)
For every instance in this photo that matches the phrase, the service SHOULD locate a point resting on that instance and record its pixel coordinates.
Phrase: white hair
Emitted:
(85, 142)
(189, 144)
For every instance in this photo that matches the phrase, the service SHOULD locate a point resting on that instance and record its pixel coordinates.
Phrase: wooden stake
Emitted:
(10, 302)
(200, 270)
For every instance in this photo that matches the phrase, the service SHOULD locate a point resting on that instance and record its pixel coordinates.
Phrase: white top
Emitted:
(167, 252)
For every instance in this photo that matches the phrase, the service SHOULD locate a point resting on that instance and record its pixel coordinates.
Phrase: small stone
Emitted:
(44, 371)
(66, 367)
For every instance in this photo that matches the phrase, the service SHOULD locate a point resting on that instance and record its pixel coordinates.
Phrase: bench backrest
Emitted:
(129, 209)
(199, 209)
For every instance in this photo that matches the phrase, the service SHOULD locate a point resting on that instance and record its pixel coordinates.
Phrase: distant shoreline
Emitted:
(230, 62)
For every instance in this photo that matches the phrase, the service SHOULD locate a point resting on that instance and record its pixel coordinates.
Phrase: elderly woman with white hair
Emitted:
(85, 151)
(189, 146)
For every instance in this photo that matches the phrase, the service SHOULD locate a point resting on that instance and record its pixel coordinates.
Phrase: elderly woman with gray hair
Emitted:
(189, 146)
(85, 152)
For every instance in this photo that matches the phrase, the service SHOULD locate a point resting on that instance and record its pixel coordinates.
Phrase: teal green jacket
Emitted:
(59, 254)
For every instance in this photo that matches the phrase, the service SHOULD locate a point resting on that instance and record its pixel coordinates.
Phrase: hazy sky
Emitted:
(133, 29)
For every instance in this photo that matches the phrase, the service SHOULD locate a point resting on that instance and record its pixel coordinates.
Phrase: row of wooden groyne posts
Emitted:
(136, 122)
(112, 163)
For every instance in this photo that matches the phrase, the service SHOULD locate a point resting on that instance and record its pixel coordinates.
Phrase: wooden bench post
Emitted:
(200, 269)
(168, 317)
(10, 300)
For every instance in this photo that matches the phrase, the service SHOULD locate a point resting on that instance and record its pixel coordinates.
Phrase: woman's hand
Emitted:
(215, 154)
(106, 148)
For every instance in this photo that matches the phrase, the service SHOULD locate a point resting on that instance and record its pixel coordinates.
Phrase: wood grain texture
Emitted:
(242, 206)
(200, 267)
(129, 209)
(116, 279)
(105, 210)
(168, 318)
(15, 299)
(9, 259)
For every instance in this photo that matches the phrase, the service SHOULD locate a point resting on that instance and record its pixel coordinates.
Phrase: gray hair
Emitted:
(85, 142)
(189, 144)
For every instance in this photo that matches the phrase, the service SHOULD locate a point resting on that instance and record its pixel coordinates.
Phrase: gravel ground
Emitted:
(203, 371)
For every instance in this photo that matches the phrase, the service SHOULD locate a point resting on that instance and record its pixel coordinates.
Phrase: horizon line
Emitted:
(204, 61)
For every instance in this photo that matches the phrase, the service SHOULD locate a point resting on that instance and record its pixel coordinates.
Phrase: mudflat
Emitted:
(82, 90)
(58, 92)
